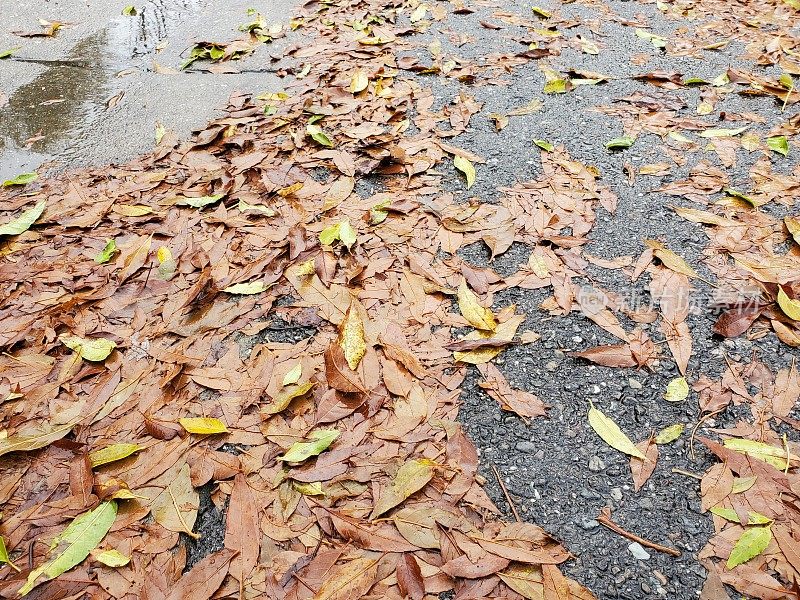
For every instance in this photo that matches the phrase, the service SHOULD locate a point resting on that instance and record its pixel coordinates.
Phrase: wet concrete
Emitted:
(94, 93)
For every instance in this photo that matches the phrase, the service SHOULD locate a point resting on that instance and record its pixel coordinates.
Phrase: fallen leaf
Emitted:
(611, 433)
(255, 287)
(92, 349)
(112, 453)
(670, 434)
(411, 477)
(677, 390)
(112, 558)
(22, 223)
(466, 167)
(203, 425)
(752, 542)
(22, 179)
(778, 144)
(478, 316)
(300, 451)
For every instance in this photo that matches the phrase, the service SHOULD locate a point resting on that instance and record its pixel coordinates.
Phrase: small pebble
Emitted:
(638, 552)
(616, 494)
(596, 464)
(527, 447)
(634, 384)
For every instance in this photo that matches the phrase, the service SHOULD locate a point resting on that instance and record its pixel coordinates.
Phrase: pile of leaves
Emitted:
(236, 314)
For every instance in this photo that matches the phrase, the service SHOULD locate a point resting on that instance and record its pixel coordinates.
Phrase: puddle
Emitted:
(47, 116)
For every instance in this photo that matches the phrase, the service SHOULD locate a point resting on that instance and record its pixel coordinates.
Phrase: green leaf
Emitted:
(656, 40)
(199, 202)
(466, 167)
(74, 544)
(695, 81)
(670, 434)
(112, 453)
(106, 253)
(753, 518)
(22, 179)
(740, 196)
(544, 145)
(555, 86)
(318, 135)
(540, 12)
(342, 231)
(300, 451)
(9, 52)
(795, 4)
(255, 287)
(203, 425)
(22, 223)
(4, 555)
(718, 133)
(778, 144)
(677, 390)
(112, 558)
(129, 11)
(753, 542)
(379, 212)
(285, 397)
(92, 349)
(620, 143)
(611, 433)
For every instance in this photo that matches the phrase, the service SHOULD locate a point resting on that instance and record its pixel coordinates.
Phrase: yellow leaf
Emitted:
(677, 390)
(505, 331)
(478, 316)
(92, 349)
(203, 425)
(611, 433)
(132, 210)
(790, 307)
(671, 260)
(164, 254)
(359, 82)
(670, 434)
(351, 337)
(793, 225)
(293, 376)
(112, 453)
(463, 165)
(752, 542)
(411, 477)
(112, 558)
(773, 455)
(282, 400)
(254, 287)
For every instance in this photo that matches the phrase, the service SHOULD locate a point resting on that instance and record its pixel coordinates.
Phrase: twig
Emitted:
(506, 494)
(604, 518)
(687, 473)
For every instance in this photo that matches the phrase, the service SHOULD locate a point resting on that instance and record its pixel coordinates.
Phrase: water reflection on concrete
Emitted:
(47, 116)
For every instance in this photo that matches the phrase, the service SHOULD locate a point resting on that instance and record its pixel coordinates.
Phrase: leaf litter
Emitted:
(357, 479)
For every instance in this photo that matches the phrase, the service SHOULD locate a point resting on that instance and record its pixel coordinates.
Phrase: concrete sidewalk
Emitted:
(93, 93)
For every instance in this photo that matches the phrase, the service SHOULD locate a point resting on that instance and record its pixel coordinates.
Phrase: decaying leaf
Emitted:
(22, 223)
(351, 337)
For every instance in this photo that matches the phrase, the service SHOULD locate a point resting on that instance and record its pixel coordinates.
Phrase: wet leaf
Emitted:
(411, 477)
(779, 144)
(318, 135)
(611, 433)
(22, 179)
(620, 143)
(92, 349)
(112, 453)
(73, 545)
(107, 252)
(466, 167)
(203, 425)
(752, 542)
(677, 390)
(22, 223)
(254, 287)
(544, 145)
(478, 316)
(641, 470)
(112, 558)
(670, 434)
(789, 306)
(300, 451)
(293, 375)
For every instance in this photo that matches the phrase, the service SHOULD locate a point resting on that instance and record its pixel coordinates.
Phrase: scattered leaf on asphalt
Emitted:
(466, 167)
(670, 434)
(611, 433)
(778, 144)
(677, 390)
